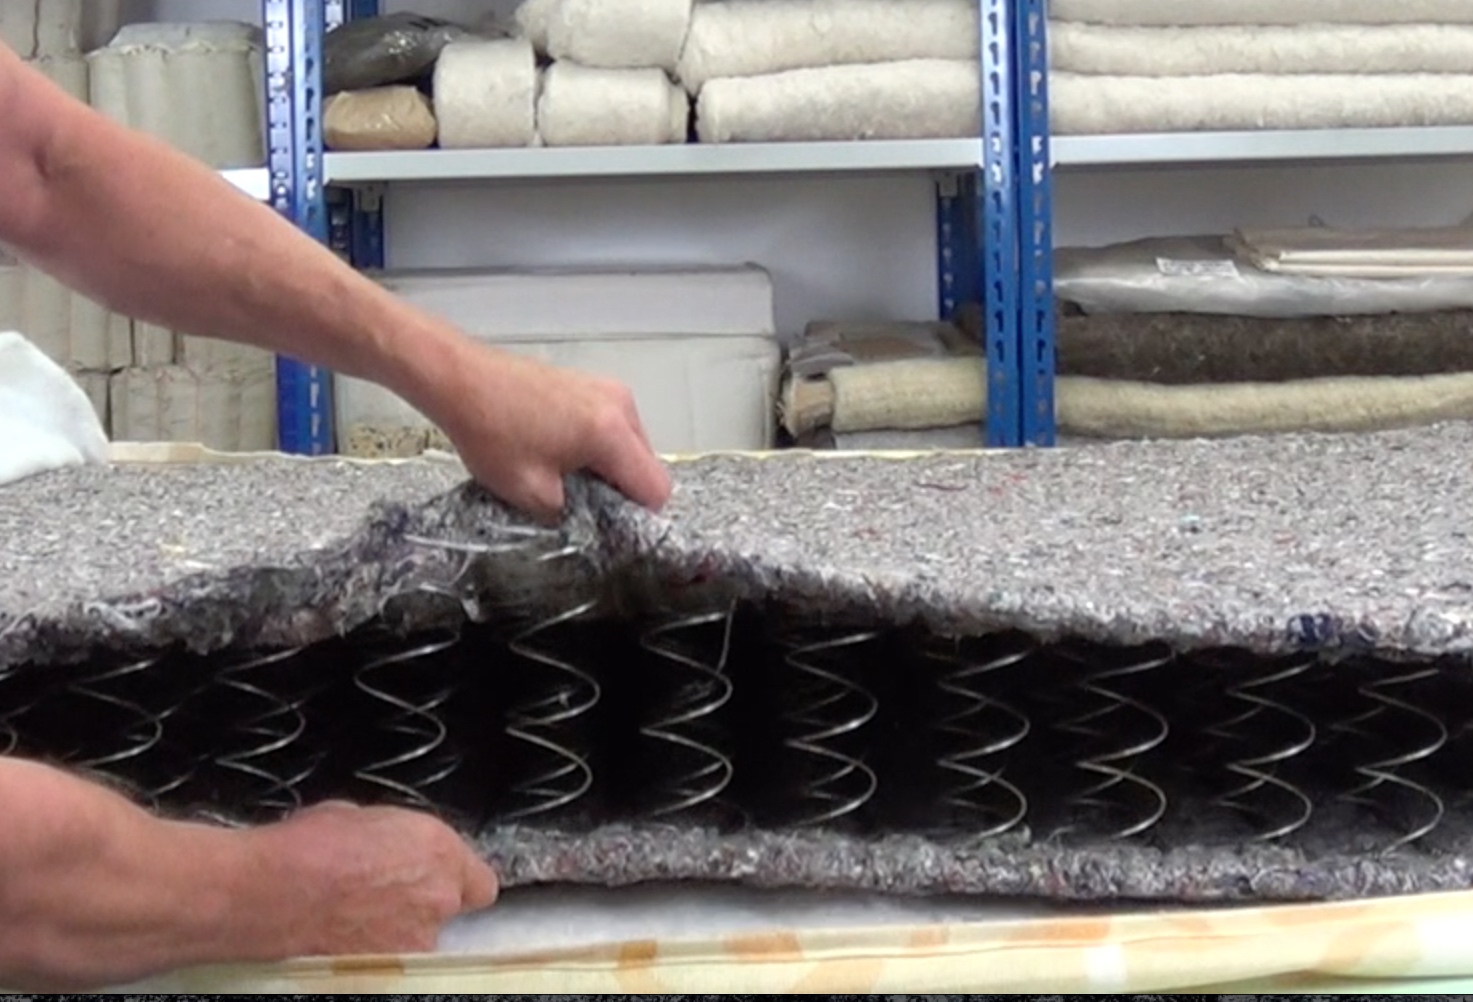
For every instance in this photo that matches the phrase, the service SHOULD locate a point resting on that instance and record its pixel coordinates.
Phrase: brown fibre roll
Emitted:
(1186, 348)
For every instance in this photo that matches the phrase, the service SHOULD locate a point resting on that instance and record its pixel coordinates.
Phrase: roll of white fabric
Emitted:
(1313, 48)
(197, 86)
(1166, 13)
(587, 106)
(914, 99)
(486, 94)
(532, 19)
(745, 38)
(619, 34)
(1100, 105)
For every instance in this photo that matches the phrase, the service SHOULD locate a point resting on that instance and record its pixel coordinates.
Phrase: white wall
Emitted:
(857, 246)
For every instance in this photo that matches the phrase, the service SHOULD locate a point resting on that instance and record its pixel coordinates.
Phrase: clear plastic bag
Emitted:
(1202, 275)
(379, 51)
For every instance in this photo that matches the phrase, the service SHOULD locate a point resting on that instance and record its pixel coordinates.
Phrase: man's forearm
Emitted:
(94, 890)
(157, 236)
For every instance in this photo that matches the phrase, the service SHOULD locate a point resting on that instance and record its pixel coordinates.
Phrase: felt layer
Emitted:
(1186, 348)
(1287, 543)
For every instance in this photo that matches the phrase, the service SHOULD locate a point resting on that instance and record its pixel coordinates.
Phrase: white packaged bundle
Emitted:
(199, 87)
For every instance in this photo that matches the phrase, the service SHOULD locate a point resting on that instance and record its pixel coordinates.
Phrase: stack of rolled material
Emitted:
(1132, 66)
(576, 73)
(815, 70)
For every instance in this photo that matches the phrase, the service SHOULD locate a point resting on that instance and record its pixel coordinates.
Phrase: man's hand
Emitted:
(369, 880)
(521, 426)
(159, 237)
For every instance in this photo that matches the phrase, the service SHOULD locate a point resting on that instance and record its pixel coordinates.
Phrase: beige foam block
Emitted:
(153, 345)
(200, 353)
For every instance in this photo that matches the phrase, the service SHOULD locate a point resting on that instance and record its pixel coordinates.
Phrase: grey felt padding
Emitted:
(1187, 348)
(1328, 543)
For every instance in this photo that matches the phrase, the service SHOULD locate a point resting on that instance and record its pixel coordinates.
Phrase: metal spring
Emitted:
(1260, 770)
(988, 803)
(703, 771)
(542, 724)
(418, 758)
(267, 738)
(1386, 770)
(829, 708)
(1102, 754)
(120, 748)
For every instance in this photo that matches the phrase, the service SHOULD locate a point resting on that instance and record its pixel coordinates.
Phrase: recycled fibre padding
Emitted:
(1332, 544)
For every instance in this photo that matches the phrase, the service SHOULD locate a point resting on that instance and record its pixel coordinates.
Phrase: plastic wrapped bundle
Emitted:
(916, 99)
(581, 106)
(486, 94)
(377, 51)
(381, 118)
(199, 87)
(619, 34)
(745, 38)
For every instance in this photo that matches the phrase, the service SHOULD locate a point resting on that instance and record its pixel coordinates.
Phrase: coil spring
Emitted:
(830, 708)
(1386, 770)
(262, 749)
(683, 725)
(419, 759)
(545, 724)
(113, 752)
(986, 802)
(1102, 756)
(1260, 771)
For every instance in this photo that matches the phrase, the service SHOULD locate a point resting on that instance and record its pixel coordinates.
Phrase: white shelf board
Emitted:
(646, 161)
(1186, 148)
(255, 183)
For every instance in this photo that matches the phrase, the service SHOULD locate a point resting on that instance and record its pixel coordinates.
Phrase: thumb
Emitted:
(541, 494)
(479, 885)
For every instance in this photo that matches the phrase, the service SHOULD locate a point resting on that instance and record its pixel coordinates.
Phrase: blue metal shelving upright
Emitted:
(993, 238)
(294, 30)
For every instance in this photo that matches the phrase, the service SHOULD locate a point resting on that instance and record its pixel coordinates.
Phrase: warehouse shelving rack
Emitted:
(991, 201)
(1195, 149)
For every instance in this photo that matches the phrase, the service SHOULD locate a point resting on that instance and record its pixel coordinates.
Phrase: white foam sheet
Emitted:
(528, 920)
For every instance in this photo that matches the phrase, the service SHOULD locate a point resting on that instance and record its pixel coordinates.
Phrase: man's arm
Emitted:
(156, 235)
(96, 892)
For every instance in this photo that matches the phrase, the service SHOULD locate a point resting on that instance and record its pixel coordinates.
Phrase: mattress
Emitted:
(1200, 563)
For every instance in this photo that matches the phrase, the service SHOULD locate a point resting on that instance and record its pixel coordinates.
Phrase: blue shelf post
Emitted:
(1036, 322)
(996, 222)
(294, 101)
(358, 211)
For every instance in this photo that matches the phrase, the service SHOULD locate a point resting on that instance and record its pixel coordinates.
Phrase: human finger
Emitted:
(636, 472)
(479, 884)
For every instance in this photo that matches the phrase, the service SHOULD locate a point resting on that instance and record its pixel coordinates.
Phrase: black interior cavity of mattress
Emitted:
(1185, 672)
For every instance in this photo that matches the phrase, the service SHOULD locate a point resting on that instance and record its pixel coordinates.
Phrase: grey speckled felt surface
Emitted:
(1321, 541)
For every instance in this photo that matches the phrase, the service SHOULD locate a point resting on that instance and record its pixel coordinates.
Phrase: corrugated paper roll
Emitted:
(198, 87)
(584, 106)
(619, 34)
(486, 94)
(40, 28)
